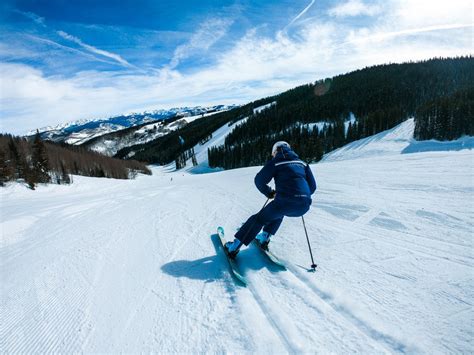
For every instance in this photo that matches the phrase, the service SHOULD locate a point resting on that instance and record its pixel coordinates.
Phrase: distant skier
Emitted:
(294, 185)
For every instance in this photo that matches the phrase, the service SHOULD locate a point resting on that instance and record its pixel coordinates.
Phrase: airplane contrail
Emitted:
(300, 14)
(413, 31)
(95, 50)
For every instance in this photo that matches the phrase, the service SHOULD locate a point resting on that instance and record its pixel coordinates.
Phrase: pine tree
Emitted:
(5, 172)
(40, 161)
(194, 160)
(64, 175)
(29, 176)
(16, 160)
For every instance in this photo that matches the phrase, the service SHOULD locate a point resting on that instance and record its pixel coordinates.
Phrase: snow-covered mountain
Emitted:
(80, 132)
(110, 144)
(128, 266)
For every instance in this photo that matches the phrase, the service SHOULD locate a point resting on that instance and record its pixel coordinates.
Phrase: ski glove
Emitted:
(271, 194)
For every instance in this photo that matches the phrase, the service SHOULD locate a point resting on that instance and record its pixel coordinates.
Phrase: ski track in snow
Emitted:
(129, 266)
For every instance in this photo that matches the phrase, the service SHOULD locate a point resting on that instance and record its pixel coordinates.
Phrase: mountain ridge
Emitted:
(80, 131)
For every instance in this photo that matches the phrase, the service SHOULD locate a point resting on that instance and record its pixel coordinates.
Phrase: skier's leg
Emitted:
(269, 230)
(254, 224)
(249, 230)
(272, 227)
(295, 209)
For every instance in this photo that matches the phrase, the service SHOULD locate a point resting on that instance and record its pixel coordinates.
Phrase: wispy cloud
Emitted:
(354, 8)
(365, 35)
(95, 50)
(91, 49)
(32, 16)
(423, 13)
(67, 48)
(204, 38)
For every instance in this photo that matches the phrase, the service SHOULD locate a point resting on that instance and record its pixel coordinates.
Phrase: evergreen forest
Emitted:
(36, 161)
(314, 118)
(437, 93)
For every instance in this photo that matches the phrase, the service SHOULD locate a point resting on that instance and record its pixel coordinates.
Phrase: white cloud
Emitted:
(354, 8)
(204, 38)
(95, 50)
(421, 13)
(41, 21)
(422, 23)
(32, 16)
(52, 44)
(365, 36)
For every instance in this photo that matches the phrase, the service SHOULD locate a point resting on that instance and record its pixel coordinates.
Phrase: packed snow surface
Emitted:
(129, 266)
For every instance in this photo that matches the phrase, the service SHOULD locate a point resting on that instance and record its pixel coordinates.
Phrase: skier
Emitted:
(294, 185)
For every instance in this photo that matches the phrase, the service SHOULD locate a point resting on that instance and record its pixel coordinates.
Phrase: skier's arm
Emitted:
(310, 179)
(263, 177)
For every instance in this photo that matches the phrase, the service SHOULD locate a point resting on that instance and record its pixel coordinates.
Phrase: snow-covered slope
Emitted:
(264, 107)
(395, 141)
(128, 266)
(200, 150)
(390, 142)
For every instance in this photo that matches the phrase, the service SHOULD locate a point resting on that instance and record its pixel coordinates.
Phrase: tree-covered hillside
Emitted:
(380, 97)
(446, 118)
(314, 117)
(36, 161)
(168, 148)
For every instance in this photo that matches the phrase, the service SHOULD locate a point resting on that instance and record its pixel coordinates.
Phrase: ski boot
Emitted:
(264, 239)
(233, 248)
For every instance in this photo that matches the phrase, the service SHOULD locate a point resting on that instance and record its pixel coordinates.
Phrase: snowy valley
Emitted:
(129, 266)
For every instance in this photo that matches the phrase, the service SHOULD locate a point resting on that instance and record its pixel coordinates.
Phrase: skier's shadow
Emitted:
(215, 267)
(208, 269)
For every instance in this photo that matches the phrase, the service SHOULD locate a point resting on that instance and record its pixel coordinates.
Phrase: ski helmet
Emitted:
(278, 145)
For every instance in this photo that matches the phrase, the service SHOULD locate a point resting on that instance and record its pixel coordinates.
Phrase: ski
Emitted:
(272, 257)
(234, 268)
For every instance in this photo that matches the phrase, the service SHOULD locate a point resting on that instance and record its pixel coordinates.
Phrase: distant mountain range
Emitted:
(82, 131)
(110, 143)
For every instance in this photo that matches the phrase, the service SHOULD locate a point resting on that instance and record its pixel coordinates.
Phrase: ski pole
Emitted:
(261, 209)
(313, 265)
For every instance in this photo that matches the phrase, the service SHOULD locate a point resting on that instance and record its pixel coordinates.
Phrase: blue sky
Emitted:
(68, 60)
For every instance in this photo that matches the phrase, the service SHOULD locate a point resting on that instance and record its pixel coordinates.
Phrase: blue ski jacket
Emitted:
(294, 181)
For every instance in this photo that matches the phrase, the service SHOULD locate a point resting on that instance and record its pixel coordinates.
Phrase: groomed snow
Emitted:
(128, 266)
(200, 150)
